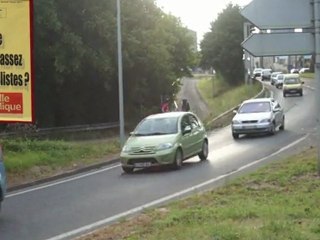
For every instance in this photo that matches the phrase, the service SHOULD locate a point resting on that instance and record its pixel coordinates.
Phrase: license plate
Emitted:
(142, 164)
(249, 127)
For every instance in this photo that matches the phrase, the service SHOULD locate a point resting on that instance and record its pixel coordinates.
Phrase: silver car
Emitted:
(274, 77)
(261, 115)
(279, 80)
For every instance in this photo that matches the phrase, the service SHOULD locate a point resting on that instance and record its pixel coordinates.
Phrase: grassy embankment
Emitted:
(307, 75)
(222, 97)
(279, 201)
(27, 159)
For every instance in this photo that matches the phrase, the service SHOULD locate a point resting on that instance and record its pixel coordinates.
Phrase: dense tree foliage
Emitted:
(221, 49)
(76, 69)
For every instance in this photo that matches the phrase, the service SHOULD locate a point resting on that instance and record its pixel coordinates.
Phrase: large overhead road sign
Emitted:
(279, 14)
(279, 44)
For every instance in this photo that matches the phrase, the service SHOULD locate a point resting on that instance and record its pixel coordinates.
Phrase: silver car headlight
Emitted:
(164, 146)
(235, 122)
(267, 120)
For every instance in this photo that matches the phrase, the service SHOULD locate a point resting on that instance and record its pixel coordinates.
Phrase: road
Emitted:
(190, 92)
(62, 209)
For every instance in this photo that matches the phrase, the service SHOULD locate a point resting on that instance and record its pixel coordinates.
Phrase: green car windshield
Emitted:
(157, 126)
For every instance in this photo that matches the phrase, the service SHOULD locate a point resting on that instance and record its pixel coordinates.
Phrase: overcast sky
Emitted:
(197, 14)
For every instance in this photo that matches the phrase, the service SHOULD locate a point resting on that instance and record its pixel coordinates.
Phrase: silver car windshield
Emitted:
(157, 126)
(255, 107)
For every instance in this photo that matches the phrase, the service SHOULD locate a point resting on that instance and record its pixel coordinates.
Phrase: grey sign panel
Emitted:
(279, 14)
(279, 44)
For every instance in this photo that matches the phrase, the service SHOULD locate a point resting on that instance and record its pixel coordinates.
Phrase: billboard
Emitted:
(16, 85)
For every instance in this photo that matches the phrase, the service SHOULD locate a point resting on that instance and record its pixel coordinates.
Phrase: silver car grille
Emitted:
(250, 121)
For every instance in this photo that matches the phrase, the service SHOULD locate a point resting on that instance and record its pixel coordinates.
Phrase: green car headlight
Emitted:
(164, 146)
(126, 149)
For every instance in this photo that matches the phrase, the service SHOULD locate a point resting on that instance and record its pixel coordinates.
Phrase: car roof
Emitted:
(167, 114)
(259, 100)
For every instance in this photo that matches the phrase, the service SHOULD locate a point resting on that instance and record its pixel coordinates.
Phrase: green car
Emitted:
(165, 139)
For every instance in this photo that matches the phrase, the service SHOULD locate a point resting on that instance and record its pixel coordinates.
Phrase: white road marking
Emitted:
(93, 226)
(312, 88)
(62, 181)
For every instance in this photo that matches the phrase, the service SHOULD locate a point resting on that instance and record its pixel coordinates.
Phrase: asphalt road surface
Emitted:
(190, 92)
(68, 207)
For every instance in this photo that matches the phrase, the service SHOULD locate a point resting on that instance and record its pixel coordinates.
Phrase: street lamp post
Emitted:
(317, 68)
(120, 78)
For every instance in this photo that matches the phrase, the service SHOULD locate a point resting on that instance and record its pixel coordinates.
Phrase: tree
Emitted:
(221, 47)
(76, 64)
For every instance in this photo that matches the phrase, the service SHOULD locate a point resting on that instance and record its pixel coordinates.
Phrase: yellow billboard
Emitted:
(16, 85)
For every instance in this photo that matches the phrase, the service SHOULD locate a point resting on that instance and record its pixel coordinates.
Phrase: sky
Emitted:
(197, 14)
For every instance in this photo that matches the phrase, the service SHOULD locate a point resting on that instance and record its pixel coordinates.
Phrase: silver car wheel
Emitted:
(282, 124)
(273, 129)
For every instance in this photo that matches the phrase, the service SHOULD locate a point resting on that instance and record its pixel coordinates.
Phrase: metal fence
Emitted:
(74, 132)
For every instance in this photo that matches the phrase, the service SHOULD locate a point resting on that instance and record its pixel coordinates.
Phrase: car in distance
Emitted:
(261, 115)
(266, 74)
(165, 139)
(292, 84)
(3, 179)
(279, 80)
(304, 70)
(257, 72)
(274, 77)
(294, 70)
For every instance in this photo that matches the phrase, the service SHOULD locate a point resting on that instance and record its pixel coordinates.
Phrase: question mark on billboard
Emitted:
(26, 79)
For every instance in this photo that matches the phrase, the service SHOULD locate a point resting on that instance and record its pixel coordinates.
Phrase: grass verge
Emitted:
(221, 97)
(279, 201)
(307, 75)
(28, 160)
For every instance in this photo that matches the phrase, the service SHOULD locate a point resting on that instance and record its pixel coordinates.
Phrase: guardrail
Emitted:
(31, 130)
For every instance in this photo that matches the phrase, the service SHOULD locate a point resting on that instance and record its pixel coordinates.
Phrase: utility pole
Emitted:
(317, 67)
(120, 80)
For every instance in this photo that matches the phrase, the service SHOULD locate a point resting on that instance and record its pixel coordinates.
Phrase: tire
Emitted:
(235, 135)
(273, 129)
(178, 158)
(284, 94)
(301, 93)
(282, 125)
(204, 151)
(127, 169)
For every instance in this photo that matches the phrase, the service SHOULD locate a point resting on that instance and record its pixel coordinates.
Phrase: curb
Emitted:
(63, 175)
